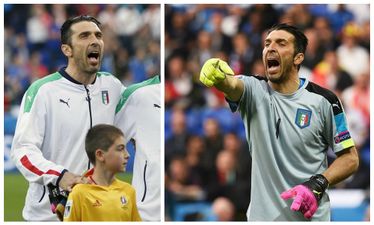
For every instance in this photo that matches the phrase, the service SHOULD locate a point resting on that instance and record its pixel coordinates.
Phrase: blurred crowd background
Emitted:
(207, 163)
(32, 42)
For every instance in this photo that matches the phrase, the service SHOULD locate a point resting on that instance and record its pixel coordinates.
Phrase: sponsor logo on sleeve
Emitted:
(342, 137)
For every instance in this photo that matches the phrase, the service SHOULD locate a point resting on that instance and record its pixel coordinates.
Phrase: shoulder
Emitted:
(124, 185)
(255, 85)
(81, 188)
(252, 77)
(254, 80)
(326, 94)
(35, 88)
(76, 192)
(106, 76)
(130, 90)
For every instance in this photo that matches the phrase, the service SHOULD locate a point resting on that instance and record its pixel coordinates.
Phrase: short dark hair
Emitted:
(101, 136)
(65, 28)
(301, 41)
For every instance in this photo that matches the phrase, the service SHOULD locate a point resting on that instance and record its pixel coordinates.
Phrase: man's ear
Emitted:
(67, 50)
(298, 59)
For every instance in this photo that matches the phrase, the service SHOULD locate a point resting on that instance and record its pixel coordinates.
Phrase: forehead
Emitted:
(84, 26)
(119, 140)
(280, 34)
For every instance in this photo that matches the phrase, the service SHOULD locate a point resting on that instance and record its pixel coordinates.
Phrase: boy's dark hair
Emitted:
(301, 41)
(66, 31)
(101, 136)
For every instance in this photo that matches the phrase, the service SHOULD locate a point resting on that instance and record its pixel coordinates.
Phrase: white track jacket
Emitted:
(138, 115)
(56, 113)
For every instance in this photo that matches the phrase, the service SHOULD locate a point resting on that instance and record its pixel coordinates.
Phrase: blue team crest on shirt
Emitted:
(303, 117)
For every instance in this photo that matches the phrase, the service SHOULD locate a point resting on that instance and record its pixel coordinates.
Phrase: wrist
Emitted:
(317, 184)
(60, 177)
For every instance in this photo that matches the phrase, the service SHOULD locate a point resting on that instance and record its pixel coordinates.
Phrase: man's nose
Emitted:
(271, 47)
(94, 41)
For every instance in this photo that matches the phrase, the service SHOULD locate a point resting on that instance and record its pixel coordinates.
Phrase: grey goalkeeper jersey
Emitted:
(288, 137)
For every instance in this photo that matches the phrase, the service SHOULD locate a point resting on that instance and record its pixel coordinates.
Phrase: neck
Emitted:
(287, 86)
(102, 177)
(80, 76)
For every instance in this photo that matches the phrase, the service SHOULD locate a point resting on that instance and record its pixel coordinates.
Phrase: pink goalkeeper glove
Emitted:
(307, 195)
(304, 200)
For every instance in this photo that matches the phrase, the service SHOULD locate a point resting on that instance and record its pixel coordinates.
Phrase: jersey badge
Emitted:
(105, 97)
(303, 117)
(123, 201)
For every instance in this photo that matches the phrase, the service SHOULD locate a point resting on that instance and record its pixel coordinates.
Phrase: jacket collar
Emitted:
(70, 78)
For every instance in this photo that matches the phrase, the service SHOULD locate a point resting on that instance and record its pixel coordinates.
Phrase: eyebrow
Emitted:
(89, 32)
(276, 40)
(121, 146)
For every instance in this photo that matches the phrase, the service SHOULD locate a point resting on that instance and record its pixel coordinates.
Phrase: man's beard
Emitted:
(282, 77)
(85, 67)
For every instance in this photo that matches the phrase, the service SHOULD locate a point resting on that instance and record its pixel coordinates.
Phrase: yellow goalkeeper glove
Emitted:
(214, 71)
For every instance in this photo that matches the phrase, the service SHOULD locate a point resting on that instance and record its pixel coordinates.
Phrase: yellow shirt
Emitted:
(91, 202)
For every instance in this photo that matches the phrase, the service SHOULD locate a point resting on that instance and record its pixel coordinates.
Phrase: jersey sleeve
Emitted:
(129, 105)
(26, 147)
(336, 128)
(73, 205)
(253, 91)
(124, 119)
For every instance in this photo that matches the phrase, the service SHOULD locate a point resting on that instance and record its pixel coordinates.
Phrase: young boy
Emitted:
(107, 198)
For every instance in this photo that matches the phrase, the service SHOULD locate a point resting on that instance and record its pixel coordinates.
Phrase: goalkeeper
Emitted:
(290, 124)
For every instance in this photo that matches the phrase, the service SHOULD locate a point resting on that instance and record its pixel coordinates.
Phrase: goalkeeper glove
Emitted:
(307, 195)
(57, 198)
(214, 71)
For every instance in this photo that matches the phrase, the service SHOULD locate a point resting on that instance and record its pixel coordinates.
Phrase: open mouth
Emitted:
(93, 57)
(273, 65)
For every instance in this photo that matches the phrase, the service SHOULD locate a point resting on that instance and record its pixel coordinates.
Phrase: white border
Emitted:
(162, 5)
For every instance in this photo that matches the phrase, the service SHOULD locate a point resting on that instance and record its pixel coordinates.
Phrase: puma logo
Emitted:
(335, 105)
(65, 102)
(157, 106)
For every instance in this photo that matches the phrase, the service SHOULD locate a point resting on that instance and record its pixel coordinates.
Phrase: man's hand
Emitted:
(214, 71)
(68, 181)
(307, 195)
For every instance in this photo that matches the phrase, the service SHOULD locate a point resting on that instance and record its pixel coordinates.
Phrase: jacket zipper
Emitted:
(42, 194)
(88, 98)
(145, 182)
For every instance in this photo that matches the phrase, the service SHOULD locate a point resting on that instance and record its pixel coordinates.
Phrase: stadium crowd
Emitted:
(206, 154)
(32, 43)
